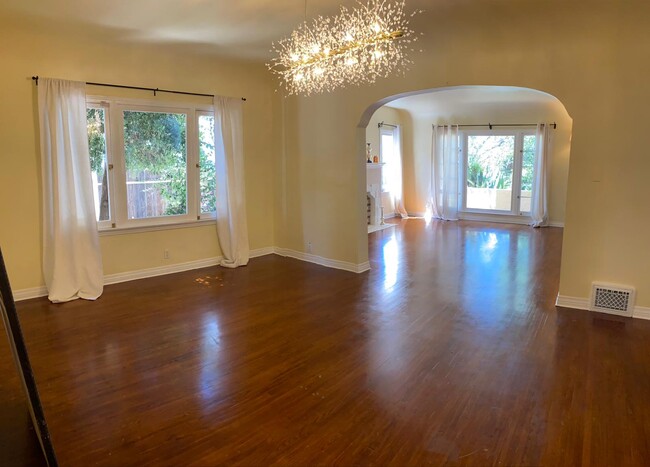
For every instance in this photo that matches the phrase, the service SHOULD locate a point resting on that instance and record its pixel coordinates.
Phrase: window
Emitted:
(498, 171)
(96, 119)
(155, 157)
(388, 157)
(151, 164)
(207, 163)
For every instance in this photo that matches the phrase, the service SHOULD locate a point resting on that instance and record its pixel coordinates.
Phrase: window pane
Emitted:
(206, 160)
(527, 164)
(388, 158)
(155, 152)
(96, 125)
(490, 163)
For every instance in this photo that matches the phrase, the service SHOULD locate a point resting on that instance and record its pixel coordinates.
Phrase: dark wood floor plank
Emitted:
(449, 352)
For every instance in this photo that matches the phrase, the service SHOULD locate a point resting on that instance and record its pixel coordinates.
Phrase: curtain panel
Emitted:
(72, 263)
(398, 191)
(539, 196)
(443, 184)
(232, 228)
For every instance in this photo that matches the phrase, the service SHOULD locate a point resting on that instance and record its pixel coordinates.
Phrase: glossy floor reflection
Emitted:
(449, 352)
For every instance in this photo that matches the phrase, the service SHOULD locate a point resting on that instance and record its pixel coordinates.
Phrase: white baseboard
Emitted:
(35, 292)
(577, 303)
(160, 271)
(330, 263)
(641, 312)
(580, 303)
(32, 292)
(173, 268)
(556, 224)
(269, 250)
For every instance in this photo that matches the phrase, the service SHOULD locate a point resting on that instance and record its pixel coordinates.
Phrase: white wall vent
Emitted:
(612, 298)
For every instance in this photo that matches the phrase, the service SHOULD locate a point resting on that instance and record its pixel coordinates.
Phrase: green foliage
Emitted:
(96, 139)
(156, 150)
(208, 179)
(490, 161)
(155, 145)
(528, 163)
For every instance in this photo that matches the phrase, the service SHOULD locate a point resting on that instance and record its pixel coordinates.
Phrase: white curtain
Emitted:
(443, 185)
(72, 263)
(539, 199)
(232, 228)
(398, 190)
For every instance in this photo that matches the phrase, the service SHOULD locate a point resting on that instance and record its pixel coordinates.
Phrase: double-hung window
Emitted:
(497, 175)
(152, 164)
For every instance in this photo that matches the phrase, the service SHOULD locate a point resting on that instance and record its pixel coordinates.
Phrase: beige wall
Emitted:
(478, 106)
(26, 50)
(593, 56)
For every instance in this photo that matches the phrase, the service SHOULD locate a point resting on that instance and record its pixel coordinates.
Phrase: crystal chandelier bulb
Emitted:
(357, 46)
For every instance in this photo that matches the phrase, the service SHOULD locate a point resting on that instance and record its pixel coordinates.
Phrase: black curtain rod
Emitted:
(380, 124)
(154, 90)
(492, 125)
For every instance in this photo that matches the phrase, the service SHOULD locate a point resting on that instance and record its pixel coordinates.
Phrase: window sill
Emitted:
(154, 228)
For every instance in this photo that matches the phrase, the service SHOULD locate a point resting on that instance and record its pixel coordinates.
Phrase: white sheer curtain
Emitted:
(72, 263)
(443, 186)
(232, 228)
(539, 197)
(398, 189)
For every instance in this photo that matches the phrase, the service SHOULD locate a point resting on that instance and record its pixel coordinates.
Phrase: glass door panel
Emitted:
(490, 169)
(527, 164)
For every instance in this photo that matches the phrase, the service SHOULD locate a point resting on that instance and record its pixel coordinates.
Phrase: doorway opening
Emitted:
(490, 138)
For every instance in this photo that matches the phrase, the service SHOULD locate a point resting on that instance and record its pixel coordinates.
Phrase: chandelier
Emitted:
(357, 46)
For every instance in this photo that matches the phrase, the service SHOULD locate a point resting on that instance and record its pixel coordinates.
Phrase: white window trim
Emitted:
(514, 213)
(119, 222)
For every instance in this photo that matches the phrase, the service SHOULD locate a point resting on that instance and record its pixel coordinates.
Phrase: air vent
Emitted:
(611, 298)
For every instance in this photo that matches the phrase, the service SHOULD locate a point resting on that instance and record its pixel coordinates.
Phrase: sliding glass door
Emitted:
(497, 171)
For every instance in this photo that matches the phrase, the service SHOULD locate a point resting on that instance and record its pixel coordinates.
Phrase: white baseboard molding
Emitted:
(580, 303)
(269, 250)
(496, 218)
(35, 292)
(577, 303)
(641, 312)
(160, 271)
(330, 263)
(32, 292)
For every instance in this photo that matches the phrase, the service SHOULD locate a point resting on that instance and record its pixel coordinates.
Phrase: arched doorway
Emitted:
(500, 115)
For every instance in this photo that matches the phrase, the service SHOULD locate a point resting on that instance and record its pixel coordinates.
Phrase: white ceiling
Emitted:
(447, 101)
(243, 28)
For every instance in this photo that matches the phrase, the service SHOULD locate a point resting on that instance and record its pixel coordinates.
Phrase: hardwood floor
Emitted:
(449, 352)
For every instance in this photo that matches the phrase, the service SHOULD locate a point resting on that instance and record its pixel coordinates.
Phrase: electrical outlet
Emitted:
(166, 254)
(308, 247)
